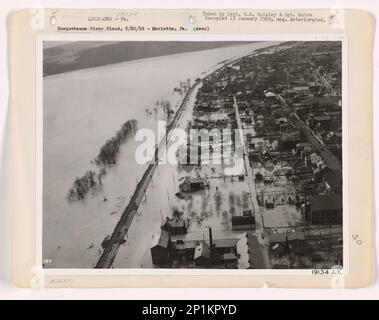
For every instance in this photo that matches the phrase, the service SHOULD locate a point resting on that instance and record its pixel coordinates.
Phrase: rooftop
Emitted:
(277, 237)
(326, 202)
(202, 250)
(297, 235)
(161, 240)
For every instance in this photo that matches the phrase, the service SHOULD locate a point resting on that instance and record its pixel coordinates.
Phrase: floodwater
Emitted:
(82, 109)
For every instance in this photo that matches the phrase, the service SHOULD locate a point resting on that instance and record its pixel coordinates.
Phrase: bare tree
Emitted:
(218, 200)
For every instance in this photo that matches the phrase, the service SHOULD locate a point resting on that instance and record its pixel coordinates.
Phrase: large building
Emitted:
(192, 185)
(324, 209)
(245, 222)
(160, 249)
(202, 254)
(175, 226)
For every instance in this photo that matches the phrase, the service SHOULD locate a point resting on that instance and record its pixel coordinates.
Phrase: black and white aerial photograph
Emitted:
(192, 155)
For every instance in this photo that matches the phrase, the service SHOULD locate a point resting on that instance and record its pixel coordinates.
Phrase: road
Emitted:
(323, 79)
(331, 161)
(258, 211)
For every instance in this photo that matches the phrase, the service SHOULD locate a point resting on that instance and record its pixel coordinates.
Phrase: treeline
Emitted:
(89, 182)
(183, 86)
(92, 180)
(109, 151)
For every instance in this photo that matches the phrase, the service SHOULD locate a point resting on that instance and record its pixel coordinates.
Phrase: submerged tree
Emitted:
(176, 213)
(108, 153)
(245, 201)
(82, 186)
(190, 205)
(204, 205)
(167, 108)
(218, 200)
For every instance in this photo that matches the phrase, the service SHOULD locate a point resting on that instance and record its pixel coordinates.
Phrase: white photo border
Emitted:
(184, 272)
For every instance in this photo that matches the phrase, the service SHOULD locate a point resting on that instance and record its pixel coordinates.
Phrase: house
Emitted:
(333, 181)
(317, 121)
(296, 241)
(324, 209)
(175, 226)
(230, 260)
(289, 93)
(278, 243)
(202, 254)
(270, 97)
(193, 185)
(303, 172)
(316, 89)
(281, 120)
(301, 89)
(244, 222)
(318, 165)
(315, 158)
(319, 171)
(229, 257)
(160, 248)
(277, 238)
(275, 106)
(303, 145)
(324, 120)
(290, 135)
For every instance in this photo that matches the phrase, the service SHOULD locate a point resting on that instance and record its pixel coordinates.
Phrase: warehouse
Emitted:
(325, 209)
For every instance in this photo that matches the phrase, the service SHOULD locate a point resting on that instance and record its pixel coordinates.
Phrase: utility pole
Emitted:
(210, 242)
(169, 201)
(330, 239)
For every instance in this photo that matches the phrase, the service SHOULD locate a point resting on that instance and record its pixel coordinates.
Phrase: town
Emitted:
(284, 210)
(261, 186)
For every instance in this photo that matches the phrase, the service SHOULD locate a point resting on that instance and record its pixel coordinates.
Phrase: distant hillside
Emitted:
(88, 54)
